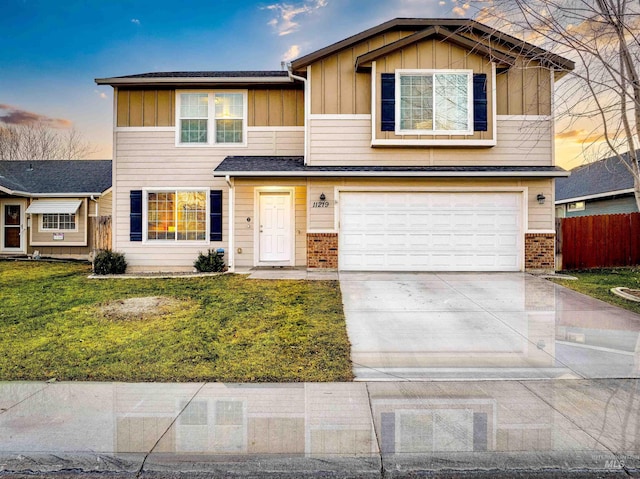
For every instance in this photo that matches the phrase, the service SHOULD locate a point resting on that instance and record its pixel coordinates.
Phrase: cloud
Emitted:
(101, 94)
(461, 11)
(581, 136)
(15, 116)
(135, 21)
(292, 53)
(285, 21)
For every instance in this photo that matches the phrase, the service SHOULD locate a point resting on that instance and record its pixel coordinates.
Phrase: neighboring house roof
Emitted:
(607, 177)
(454, 28)
(294, 166)
(199, 78)
(55, 177)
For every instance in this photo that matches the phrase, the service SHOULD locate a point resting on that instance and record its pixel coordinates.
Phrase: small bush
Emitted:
(109, 262)
(212, 262)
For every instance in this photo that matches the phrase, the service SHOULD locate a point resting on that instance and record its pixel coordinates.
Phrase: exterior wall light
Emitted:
(322, 197)
(541, 198)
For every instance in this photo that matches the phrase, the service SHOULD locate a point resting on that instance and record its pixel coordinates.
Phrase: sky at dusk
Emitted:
(52, 50)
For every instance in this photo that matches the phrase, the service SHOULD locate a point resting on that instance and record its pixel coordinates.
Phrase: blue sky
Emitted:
(52, 50)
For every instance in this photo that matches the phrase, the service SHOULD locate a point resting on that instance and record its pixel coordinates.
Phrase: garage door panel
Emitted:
(418, 231)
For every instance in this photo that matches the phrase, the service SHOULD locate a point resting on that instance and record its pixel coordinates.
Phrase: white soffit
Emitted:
(40, 207)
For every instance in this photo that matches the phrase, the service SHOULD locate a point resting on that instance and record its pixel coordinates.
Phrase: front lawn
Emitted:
(598, 283)
(56, 323)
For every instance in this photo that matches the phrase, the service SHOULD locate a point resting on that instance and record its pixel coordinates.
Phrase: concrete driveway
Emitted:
(483, 326)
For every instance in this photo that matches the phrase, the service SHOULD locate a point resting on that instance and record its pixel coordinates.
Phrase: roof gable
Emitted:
(363, 62)
(447, 27)
(55, 177)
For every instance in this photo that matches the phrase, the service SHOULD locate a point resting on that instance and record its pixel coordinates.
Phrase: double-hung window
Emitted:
(177, 215)
(58, 221)
(433, 102)
(212, 118)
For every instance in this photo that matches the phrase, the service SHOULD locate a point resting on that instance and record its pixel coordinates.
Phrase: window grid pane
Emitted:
(434, 102)
(451, 102)
(229, 112)
(177, 215)
(194, 105)
(59, 221)
(193, 131)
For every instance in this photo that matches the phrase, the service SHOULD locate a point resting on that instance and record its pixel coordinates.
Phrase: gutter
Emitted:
(593, 197)
(401, 174)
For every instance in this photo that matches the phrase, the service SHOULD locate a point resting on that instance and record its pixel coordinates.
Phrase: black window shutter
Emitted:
(215, 215)
(480, 122)
(388, 95)
(135, 222)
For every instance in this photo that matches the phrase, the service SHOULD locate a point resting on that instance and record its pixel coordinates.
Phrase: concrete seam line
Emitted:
(3, 410)
(375, 431)
(568, 418)
(144, 461)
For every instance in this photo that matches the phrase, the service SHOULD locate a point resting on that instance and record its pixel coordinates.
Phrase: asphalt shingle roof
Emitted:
(295, 164)
(211, 74)
(599, 177)
(56, 176)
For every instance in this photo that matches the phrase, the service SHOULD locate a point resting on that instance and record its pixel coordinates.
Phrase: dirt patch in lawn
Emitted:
(131, 309)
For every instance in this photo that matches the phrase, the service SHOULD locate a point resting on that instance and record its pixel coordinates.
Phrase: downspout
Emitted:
(231, 221)
(96, 201)
(307, 100)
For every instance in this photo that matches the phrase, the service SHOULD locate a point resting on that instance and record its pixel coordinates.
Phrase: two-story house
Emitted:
(419, 144)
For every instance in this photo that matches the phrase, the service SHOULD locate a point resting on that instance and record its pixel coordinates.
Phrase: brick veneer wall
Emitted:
(540, 251)
(322, 250)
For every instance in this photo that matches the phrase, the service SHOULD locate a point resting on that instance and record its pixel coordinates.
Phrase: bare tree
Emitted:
(603, 38)
(38, 141)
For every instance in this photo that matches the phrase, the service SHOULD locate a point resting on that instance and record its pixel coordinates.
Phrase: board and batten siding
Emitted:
(336, 89)
(245, 207)
(522, 141)
(150, 159)
(540, 217)
(156, 108)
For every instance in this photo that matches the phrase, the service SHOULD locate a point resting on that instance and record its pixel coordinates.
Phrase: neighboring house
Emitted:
(601, 188)
(417, 145)
(51, 206)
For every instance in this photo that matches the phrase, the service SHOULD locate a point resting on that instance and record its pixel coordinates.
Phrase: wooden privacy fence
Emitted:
(100, 232)
(599, 241)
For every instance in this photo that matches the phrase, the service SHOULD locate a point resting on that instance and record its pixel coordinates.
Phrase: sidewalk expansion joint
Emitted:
(375, 431)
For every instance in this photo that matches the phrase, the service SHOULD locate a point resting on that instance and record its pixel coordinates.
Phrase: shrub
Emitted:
(109, 262)
(212, 262)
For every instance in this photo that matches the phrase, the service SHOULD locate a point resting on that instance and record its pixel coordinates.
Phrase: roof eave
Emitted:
(193, 81)
(396, 174)
(595, 196)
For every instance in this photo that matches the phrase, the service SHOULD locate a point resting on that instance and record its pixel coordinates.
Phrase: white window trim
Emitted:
(58, 230)
(211, 120)
(177, 242)
(401, 72)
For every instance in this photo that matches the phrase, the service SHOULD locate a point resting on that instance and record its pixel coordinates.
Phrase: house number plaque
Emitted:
(320, 204)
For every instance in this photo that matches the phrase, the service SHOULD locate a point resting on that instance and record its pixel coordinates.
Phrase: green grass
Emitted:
(598, 283)
(223, 328)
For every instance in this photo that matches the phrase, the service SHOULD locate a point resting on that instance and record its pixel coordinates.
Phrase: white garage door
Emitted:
(418, 231)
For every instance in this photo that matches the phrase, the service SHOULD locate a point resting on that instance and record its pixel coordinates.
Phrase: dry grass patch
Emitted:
(146, 307)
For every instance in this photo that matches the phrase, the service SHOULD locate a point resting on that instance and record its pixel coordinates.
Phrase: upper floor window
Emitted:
(434, 102)
(211, 118)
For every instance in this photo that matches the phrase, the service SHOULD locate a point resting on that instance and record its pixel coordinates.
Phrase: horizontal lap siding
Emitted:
(150, 159)
(348, 142)
(540, 217)
(245, 207)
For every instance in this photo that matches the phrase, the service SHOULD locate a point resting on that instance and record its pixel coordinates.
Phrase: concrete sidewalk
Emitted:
(547, 428)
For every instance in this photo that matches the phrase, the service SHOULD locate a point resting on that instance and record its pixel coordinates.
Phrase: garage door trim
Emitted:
(523, 210)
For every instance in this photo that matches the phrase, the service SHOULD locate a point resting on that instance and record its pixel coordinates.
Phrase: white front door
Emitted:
(12, 220)
(275, 227)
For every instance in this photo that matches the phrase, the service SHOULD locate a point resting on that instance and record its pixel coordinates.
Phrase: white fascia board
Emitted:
(191, 80)
(383, 174)
(593, 197)
(56, 195)
(394, 142)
